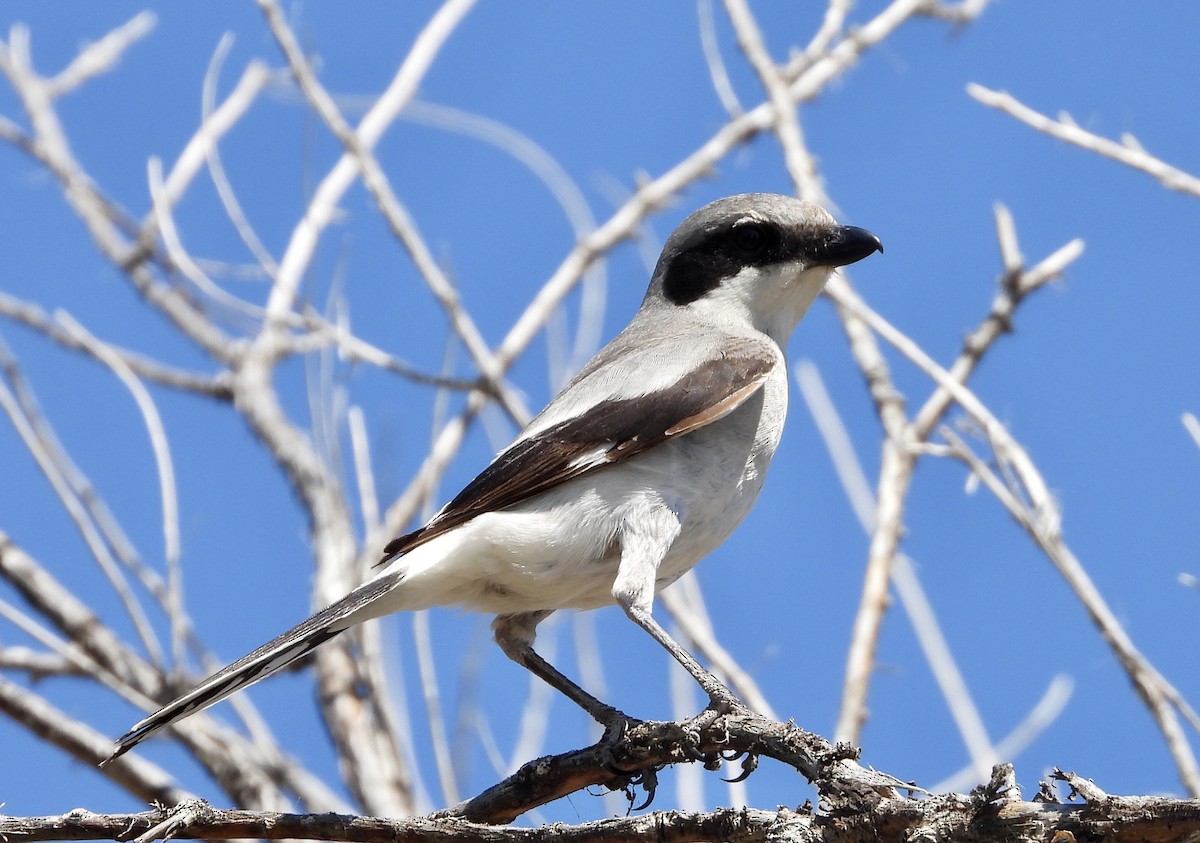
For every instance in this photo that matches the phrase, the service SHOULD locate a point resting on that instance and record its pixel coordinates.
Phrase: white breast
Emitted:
(726, 465)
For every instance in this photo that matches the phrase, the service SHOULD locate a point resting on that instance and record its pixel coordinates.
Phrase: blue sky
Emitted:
(1092, 382)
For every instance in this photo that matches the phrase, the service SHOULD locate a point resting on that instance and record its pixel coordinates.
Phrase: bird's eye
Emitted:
(749, 238)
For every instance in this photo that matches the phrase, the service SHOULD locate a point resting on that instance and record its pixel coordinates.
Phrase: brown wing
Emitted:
(607, 433)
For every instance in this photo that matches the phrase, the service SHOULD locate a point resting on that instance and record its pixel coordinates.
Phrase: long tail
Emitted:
(270, 657)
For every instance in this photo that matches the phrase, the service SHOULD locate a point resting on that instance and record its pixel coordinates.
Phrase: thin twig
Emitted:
(433, 707)
(1014, 286)
(1129, 152)
(1041, 521)
(903, 575)
(37, 664)
(711, 48)
(144, 780)
(157, 434)
(216, 170)
(901, 446)
(163, 221)
(800, 164)
(107, 228)
(36, 319)
(832, 26)
(1192, 425)
(101, 56)
(214, 125)
(43, 453)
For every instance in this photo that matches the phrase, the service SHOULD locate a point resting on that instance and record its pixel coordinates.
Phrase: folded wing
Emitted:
(606, 433)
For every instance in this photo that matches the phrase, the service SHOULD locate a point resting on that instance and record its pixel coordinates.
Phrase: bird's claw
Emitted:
(749, 765)
(649, 782)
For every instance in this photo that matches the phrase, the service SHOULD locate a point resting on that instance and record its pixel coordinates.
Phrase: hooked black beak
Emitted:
(846, 244)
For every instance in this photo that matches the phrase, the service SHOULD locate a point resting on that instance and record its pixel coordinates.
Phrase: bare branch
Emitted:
(900, 449)
(216, 169)
(895, 475)
(1130, 153)
(799, 163)
(195, 820)
(35, 318)
(394, 213)
(1041, 518)
(712, 57)
(36, 664)
(622, 761)
(1041, 521)
(812, 73)
(107, 227)
(35, 432)
(1192, 425)
(101, 56)
(214, 126)
(991, 813)
(157, 434)
(140, 777)
(1015, 285)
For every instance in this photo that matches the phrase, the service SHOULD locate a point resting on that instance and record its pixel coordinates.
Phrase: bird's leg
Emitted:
(514, 634)
(646, 537)
(721, 699)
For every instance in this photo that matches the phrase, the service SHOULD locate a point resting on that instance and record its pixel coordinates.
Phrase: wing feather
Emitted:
(610, 431)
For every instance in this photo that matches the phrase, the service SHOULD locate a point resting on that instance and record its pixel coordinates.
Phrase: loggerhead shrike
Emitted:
(641, 466)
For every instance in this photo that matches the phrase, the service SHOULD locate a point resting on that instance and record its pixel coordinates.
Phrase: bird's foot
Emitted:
(708, 728)
(617, 728)
(616, 723)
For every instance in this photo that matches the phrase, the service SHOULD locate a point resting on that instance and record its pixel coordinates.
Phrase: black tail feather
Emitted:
(267, 659)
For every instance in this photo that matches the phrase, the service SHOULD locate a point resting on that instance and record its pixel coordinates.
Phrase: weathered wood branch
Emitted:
(992, 813)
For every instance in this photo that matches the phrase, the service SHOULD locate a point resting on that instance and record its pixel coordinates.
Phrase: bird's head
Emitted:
(760, 258)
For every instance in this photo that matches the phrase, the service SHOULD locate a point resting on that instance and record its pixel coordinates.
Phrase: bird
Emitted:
(641, 466)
